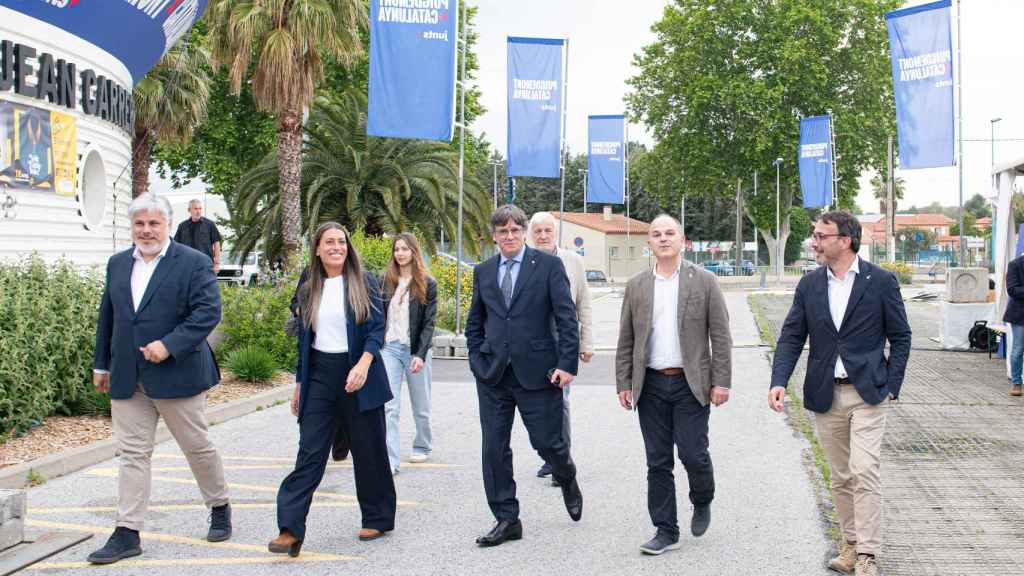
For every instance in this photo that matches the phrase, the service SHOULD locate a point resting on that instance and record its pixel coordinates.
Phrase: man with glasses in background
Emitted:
(848, 308)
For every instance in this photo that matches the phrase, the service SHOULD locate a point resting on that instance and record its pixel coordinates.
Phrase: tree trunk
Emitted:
(289, 162)
(142, 145)
(771, 242)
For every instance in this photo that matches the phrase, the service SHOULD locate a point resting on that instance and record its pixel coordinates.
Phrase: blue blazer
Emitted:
(180, 307)
(365, 337)
(875, 314)
(537, 332)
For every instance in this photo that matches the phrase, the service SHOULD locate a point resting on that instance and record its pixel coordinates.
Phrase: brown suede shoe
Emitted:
(285, 543)
(367, 534)
(866, 566)
(847, 559)
(1015, 390)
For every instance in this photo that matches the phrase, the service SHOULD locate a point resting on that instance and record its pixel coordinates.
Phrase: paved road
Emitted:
(765, 520)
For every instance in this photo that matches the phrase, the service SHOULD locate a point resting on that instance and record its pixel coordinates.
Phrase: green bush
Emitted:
(47, 334)
(901, 270)
(255, 316)
(444, 272)
(374, 250)
(252, 364)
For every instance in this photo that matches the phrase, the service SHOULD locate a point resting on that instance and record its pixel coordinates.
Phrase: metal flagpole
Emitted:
(584, 172)
(565, 104)
(960, 128)
(462, 171)
(832, 144)
(625, 175)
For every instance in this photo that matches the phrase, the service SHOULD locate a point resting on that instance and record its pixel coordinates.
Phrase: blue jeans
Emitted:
(397, 360)
(1016, 353)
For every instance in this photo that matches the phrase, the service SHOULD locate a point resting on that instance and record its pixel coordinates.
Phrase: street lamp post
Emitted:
(779, 250)
(585, 173)
(495, 163)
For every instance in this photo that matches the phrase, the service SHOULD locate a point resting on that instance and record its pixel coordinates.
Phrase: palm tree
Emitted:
(372, 184)
(170, 102)
(285, 42)
(878, 188)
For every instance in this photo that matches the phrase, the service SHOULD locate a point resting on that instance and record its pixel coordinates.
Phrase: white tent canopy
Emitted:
(1003, 227)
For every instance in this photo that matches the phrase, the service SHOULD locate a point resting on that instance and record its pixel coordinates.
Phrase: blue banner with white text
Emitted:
(920, 40)
(412, 69)
(136, 33)
(534, 106)
(606, 159)
(815, 161)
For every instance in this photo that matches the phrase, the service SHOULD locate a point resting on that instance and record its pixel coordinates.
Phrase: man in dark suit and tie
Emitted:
(523, 340)
(160, 303)
(848, 308)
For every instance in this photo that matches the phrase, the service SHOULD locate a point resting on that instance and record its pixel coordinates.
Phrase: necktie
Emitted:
(506, 282)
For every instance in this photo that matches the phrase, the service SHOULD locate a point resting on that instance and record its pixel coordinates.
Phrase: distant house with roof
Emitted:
(601, 238)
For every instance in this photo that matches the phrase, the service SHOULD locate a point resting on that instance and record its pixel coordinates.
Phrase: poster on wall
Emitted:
(38, 149)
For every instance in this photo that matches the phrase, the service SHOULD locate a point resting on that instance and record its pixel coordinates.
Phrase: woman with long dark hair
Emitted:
(339, 376)
(410, 299)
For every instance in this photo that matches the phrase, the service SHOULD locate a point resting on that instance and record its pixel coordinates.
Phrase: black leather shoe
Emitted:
(220, 524)
(573, 499)
(123, 543)
(504, 530)
(701, 520)
(544, 471)
(659, 545)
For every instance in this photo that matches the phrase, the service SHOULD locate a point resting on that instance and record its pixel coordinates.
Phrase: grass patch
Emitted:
(34, 478)
(800, 420)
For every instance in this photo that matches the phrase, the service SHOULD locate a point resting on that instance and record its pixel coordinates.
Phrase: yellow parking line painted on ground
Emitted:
(281, 467)
(276, 559)
(158, 537)
(176, 507)
(291, 462)
(112, 473)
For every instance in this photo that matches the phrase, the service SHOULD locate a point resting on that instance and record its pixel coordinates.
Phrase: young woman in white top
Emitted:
(410, 296)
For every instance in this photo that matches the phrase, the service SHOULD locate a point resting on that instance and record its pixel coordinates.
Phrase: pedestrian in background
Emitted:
(200, 233)
(1014, 316)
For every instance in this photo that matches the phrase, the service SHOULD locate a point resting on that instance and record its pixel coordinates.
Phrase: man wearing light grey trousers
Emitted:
(543, 236)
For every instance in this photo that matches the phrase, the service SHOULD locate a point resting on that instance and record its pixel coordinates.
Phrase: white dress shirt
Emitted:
(142, 273)
(398, 314)
(664, 350)
(331, 326)
(838, 299)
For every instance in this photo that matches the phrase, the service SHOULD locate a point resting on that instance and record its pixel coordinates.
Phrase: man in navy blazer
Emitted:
(849, 308)
(523, 339)
(160, 303)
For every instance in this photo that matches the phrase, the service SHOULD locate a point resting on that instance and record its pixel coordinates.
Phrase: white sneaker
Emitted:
(418, 458)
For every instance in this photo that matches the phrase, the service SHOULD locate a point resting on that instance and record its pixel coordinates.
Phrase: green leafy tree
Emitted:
(280, 46)
(970, 225)
(724, 84)
(367, 183)
(170, 101)
(978, 206)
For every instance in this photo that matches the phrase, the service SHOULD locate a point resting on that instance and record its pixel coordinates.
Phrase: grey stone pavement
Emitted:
(952, 464)
(765, 517)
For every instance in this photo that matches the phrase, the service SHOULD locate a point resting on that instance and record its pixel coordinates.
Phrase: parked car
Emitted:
(746, 268)
(241, 273)
(809, 266)
(718, 267)
(596, 277)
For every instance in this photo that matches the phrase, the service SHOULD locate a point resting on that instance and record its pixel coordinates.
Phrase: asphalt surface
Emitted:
(765, 519)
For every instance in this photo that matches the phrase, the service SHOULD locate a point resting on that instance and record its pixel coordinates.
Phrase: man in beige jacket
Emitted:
(673, 363)
(544, 237)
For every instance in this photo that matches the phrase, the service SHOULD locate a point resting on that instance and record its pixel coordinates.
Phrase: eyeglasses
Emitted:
(508, 232)
(818, 236)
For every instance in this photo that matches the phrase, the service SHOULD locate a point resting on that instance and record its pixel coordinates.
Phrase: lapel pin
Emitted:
(868, 277)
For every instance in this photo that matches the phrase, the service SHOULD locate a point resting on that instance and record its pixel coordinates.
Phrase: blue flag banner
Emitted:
(534, 106)
(412, 69)
(136, 33)
(920, 40)
(815, 160)
(606, 159)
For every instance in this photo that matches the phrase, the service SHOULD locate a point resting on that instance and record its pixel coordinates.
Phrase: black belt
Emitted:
(843, 380)
(667, 371)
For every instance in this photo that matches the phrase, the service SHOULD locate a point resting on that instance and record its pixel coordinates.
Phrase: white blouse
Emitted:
(398, 314)
(331, 326)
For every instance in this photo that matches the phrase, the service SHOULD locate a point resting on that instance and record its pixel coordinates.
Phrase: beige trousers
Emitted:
(134, 422)
(851, 436)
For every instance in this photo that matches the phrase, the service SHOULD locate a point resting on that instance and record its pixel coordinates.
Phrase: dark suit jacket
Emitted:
(422, 318)
(180, 307)
(365, 337)
(1015, 290)
(875, 314)
(522, 332)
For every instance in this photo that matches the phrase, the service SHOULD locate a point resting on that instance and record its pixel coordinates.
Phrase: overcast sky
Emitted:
(604, 35)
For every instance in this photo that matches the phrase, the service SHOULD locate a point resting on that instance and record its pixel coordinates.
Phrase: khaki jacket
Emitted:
(576, 271)
(704, 333)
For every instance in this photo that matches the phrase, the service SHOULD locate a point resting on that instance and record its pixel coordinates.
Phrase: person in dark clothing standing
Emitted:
(200, 233)
(1014, 316)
